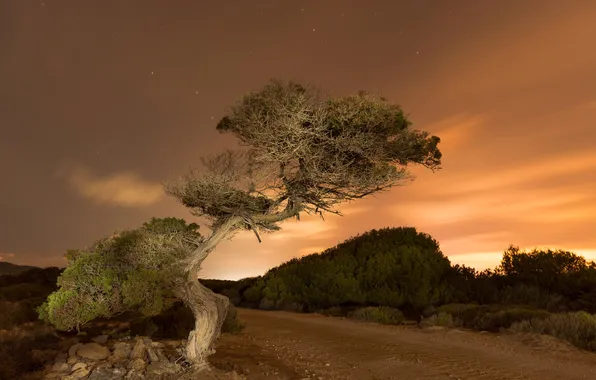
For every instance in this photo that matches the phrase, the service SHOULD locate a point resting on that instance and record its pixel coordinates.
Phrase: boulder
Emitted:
(93, 351)
(121, 351)
(60, 367)
(139, 351)
(137, 364)
(72, 351)
(100, 339)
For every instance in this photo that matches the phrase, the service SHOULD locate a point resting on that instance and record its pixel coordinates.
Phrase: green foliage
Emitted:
(334, 311)
(132, 270)
(379, 314)
(578, 328)
(503, 319)
(490, 317)
(396, 267)
(232, 325)
(441, 319)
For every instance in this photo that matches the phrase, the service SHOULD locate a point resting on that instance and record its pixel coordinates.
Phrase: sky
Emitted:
(103, 101)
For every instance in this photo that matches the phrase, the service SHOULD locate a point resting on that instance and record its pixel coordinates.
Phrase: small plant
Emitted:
(503, 319)
(440, 319)
(378, 314)
(334, 311)
(232, 325)
(577, 328)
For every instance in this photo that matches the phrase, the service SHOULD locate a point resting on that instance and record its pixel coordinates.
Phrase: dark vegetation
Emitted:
(389, 276)
(10, 268)
(26, 344)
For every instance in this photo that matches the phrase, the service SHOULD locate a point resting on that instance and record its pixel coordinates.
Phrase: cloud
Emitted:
(124, 189)
(523, 173)
(456, 131)
(559, 36)
(6, 255)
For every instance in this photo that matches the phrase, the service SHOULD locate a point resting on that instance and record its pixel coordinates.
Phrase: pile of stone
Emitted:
(138, 358)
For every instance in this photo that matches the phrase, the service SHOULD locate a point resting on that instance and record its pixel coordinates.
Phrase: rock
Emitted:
(133, 374)
(153, 357)
(72, 360)
(118, 372)
(52, 376)
(162, 368)
(78, 374)
(139, 350)
(101, 339)
(137, 364)
(121, 350)
(61, 368)
(157, 344)
(106, 371)
(101, 374)
(60, 358)
(72, 351)
(78, 366)
(93, 351)
(173, 343)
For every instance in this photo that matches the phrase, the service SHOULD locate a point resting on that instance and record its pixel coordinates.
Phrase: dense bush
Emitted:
(396, 267)
(578, 328)
(489, 317)
(440, 319)
(503, 319)
(378, 314)
(133, 270)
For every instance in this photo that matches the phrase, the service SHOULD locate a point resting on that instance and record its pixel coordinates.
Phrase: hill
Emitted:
(12, 269)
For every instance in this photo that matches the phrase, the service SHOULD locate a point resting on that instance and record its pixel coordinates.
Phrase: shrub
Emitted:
(466, 314)
(578, 328)
(16, 313)
(490, 317)
(334, 311)
(267, 304)
(378, 314)
(503, 319)
(26, 349)
(232, 325)
(440, 319)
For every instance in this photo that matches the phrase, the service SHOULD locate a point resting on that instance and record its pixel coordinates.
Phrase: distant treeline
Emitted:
(404, 269)
(394, 267)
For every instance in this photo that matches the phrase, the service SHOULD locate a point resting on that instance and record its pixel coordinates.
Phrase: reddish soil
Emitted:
(281, 345)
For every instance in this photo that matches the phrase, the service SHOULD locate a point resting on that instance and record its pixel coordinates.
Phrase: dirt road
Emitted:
(280, 345)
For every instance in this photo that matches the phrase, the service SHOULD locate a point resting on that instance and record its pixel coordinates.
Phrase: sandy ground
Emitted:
(280, 345)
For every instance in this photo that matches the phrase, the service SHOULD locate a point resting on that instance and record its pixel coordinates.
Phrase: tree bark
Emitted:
(209, 310)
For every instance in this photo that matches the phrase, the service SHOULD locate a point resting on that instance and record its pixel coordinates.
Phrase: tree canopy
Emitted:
(303, 153)
(130, 270)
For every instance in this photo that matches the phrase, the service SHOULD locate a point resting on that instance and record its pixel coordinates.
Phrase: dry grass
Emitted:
(577, 328)
(26, 349)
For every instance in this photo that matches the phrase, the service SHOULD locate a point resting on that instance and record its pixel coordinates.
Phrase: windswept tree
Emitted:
(136, 270)
(300, 153)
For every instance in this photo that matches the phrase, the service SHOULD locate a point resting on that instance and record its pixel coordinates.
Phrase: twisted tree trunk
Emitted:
(209, 310)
